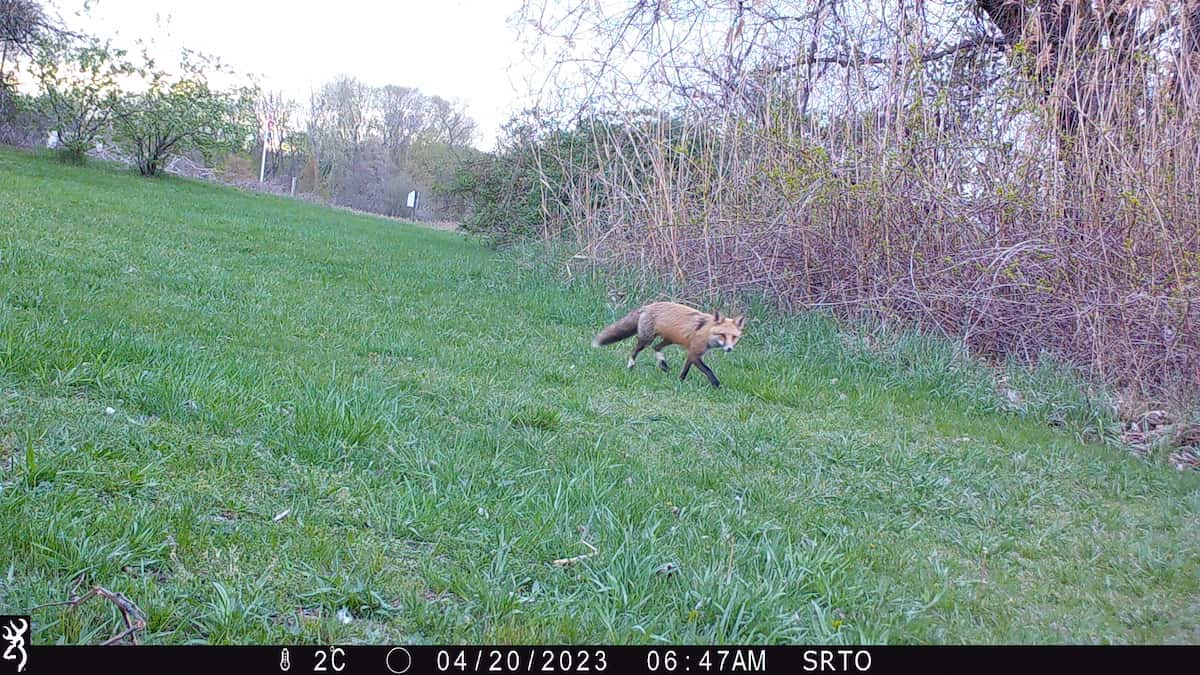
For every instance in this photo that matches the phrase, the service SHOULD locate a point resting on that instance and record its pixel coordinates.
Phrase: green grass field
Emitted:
(247, 413)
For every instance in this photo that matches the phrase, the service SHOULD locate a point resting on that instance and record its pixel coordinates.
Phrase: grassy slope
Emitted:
(434, 419)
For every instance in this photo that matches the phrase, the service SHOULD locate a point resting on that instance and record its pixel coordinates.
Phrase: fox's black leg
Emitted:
(658, 356)
(687, 365)
(712, 379)
(637, 349)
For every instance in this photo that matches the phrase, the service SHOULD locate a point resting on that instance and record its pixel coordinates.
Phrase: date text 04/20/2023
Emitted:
(716, 660)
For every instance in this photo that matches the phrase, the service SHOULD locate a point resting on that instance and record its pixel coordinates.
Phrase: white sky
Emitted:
(458, 49)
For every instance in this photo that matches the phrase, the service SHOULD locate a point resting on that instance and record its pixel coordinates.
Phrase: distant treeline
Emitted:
(351, 144)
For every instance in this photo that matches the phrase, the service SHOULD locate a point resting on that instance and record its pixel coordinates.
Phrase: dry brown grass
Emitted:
(1044, 199)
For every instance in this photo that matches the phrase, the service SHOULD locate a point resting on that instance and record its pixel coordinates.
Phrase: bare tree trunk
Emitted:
(1064, 40)
(1187, 88)
(3, 62)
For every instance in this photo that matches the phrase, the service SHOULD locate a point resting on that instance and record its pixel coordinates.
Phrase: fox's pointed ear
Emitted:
(716, 316)
(740, 321)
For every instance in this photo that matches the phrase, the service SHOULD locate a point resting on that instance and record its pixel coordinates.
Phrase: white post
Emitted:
(262, 165)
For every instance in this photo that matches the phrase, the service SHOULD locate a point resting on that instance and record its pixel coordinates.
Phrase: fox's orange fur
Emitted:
(695, 331)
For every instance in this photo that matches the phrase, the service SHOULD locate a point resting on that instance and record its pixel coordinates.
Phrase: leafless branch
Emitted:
(133, 617)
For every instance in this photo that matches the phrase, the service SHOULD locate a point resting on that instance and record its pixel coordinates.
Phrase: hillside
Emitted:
(248, 414)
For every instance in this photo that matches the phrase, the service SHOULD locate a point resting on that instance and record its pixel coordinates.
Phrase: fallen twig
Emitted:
(133, 617)
(563, 562)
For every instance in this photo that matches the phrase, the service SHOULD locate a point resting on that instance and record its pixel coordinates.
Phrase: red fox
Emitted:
(672, 323)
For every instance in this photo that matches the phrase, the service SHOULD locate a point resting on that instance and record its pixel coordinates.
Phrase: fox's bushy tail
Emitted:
(626, 327)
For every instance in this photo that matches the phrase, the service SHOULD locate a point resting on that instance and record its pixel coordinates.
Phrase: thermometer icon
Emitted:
(284, 662)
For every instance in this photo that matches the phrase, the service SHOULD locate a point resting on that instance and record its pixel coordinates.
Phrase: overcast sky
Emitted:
(457, 49)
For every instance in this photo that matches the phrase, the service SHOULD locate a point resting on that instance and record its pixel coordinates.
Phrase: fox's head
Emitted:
(725, 331)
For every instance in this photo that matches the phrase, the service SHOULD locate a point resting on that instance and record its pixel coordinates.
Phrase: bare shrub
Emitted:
(1019, 177)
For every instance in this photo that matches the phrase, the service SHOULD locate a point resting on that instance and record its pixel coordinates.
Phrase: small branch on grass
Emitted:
(133, 617)
(565, 562)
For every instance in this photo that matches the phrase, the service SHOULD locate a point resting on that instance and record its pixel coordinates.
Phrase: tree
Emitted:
(181, 113)
(401, 119)
(449, 123)
(22, 25)
(338, 126)
(80, 90)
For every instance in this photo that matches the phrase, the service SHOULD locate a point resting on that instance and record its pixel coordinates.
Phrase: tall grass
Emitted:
(1039, 199)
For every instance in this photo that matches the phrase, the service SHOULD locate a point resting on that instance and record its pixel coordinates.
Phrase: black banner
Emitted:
(652, 660)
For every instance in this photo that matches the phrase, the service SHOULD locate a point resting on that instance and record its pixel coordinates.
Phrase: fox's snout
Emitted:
(728, 348)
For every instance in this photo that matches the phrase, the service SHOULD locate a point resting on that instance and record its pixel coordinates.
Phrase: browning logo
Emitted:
(14, 631)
